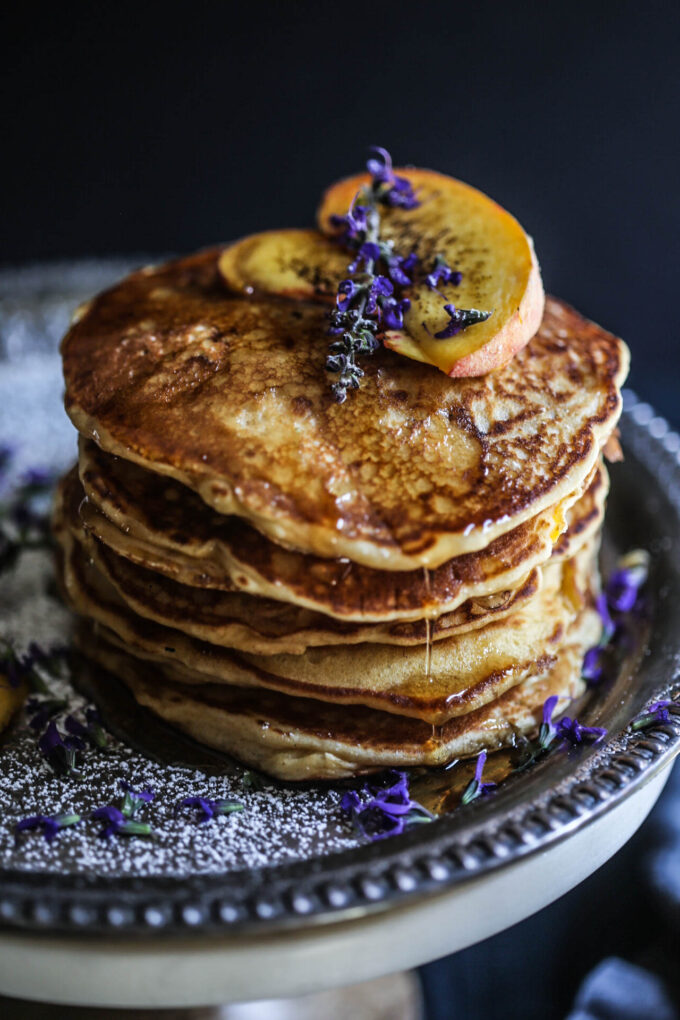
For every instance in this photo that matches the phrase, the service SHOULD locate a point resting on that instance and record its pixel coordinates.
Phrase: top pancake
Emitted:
(230, 397)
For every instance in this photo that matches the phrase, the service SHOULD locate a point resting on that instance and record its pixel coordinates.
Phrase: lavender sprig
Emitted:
(208, 809)
(460, 319)
(476, 787)
(370, 301)
(563, 733)
(389, 811)
(122, 820)
(133, 800)
(656, 713)
(619, 599)
(366, 303)
(60, 752)
(115, 823)
(51, 825)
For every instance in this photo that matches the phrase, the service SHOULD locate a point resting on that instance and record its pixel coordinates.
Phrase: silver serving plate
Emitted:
(559, 800)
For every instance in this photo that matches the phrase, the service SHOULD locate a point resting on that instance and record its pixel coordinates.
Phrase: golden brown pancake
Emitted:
(463, 672)
(161, 525)
(229, 396)
(296, 738)
(251, 624)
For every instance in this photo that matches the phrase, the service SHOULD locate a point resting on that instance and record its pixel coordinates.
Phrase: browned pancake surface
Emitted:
(230, 397)
(160, 524)
(295, 738)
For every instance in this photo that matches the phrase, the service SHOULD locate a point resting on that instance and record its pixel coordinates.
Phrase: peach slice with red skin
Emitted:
(476, 237)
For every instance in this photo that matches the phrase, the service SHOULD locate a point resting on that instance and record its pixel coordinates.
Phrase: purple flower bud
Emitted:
(573, 732)
(608, 625)
(622, 590)
(389, 812)
(393, 312)
(211, 808)
(50, 740)
(660, 709)
(442, 274)
(346, 291)
(380, 165)
(476, 788)
(353, 224)
(50, 826)
(115, 823)
(112, 818)
(380, 287)
(593, 670)
(399, 269)
(370, 251)
(401, 194)
(351, 801)
(656, 713)
(459, 319)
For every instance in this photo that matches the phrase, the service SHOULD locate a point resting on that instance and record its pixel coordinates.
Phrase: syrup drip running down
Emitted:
(428, 628)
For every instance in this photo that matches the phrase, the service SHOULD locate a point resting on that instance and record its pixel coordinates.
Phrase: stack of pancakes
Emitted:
(322, 589)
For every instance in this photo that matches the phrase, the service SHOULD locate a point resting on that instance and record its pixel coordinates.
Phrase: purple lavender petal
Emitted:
(351, 801)
(146, 795)
(50, 740)
(380, 168)
(113, 820)
(401, 195)
(660, 709)
(34, 822)
(573, 732)
(592, 669)
(210, 808)
(608, 625)
(393, 312)
(622, 590)
(548, 709)
(479, 767)
(389, 807)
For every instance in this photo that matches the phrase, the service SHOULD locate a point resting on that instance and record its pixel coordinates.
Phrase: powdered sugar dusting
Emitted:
(278, 824)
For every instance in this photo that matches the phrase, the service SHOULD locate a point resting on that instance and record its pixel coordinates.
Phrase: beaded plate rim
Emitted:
(530, 813)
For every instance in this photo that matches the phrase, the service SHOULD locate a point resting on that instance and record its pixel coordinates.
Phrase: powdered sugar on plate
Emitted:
(278, 823)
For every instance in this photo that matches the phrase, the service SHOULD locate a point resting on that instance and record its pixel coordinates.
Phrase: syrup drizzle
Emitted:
(428, 628)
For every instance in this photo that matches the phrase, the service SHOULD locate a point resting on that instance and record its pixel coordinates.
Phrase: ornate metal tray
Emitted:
(299, 866)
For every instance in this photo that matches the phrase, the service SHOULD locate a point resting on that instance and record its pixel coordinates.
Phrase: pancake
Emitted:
(584, 519)
(453, 676)
(161, 525)
(247, 623)
(295, 738)
(229, 396)
(251, 623)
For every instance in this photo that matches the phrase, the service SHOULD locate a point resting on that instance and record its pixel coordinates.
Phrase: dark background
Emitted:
(160, 128)
(149, 128)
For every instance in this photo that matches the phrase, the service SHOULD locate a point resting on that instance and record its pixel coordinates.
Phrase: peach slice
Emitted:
(301, 264)
(479, 239)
